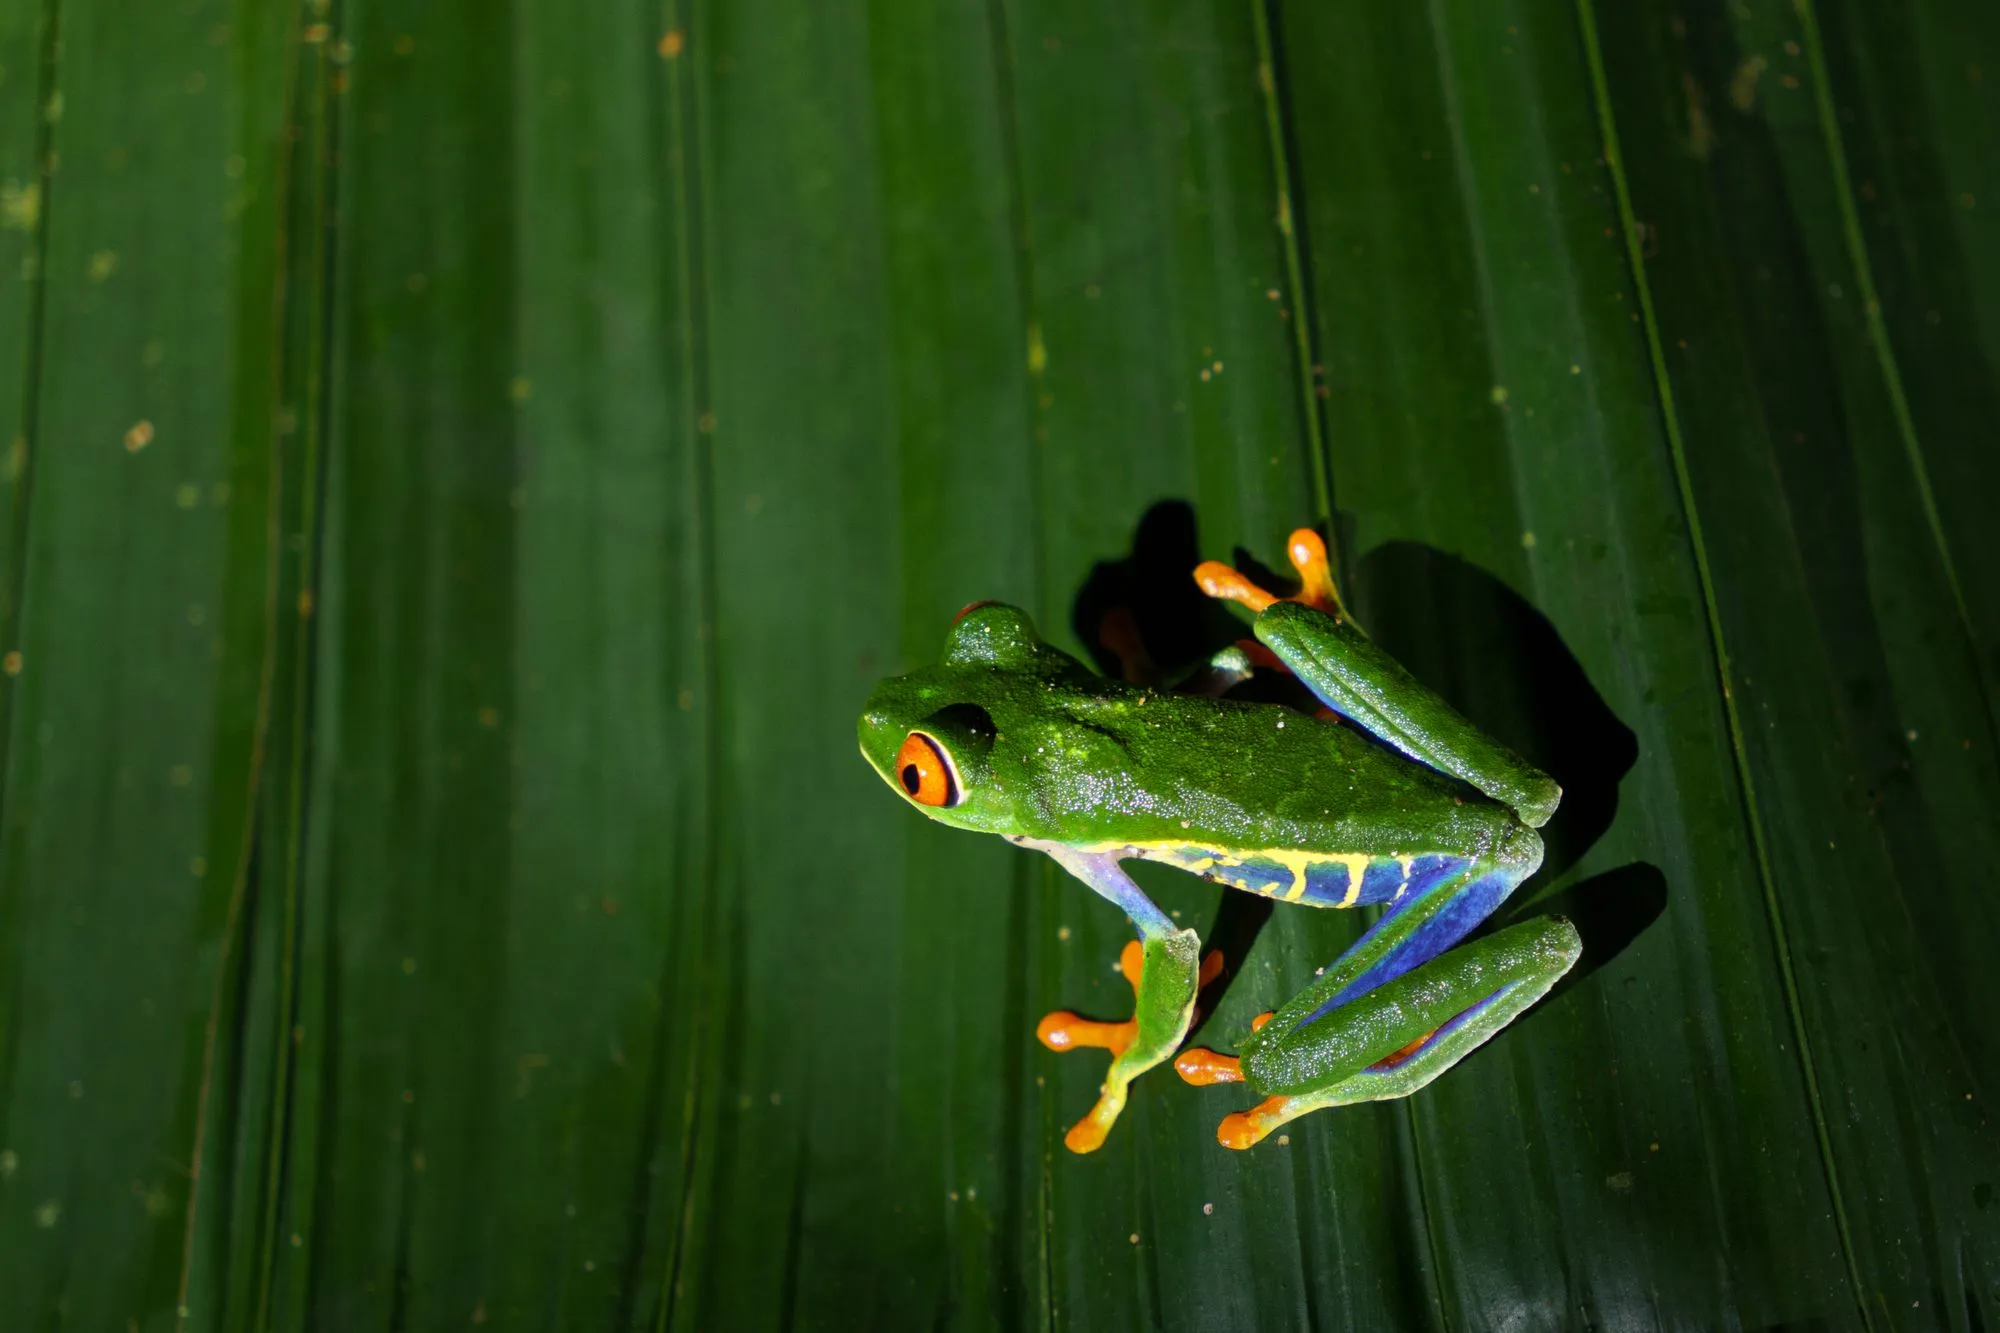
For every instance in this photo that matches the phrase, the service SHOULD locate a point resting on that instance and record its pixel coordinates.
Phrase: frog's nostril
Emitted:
(912, 780)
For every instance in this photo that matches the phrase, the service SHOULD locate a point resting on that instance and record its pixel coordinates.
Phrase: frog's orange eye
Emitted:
(926, 772)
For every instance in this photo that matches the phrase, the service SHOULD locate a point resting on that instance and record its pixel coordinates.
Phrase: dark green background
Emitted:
(437, 885)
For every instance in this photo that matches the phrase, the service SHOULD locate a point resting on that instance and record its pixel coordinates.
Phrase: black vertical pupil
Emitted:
(912, 780)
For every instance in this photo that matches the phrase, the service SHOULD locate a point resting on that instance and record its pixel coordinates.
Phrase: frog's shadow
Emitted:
(1463, 633)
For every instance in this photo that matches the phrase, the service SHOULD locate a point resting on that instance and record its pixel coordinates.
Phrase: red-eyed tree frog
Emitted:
(1387, 796)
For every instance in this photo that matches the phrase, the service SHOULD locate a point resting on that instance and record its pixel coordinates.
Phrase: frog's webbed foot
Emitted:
(1316, 586)
(1161, 971)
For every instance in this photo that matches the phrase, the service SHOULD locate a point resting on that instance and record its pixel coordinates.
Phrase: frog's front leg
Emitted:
(1166, 974)
(1315, 638)
(1393, 1014)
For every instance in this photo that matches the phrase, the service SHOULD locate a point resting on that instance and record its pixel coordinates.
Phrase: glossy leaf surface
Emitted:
(469, 463)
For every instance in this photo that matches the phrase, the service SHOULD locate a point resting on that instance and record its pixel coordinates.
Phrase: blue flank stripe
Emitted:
(1379, 885)
(1326, 883)
(1266, 877)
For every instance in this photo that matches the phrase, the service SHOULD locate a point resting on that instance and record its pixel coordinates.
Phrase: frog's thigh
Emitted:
(1425, 1022)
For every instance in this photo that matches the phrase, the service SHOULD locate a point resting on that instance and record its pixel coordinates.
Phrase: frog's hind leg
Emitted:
(1457, 1002)
(1397, 1010)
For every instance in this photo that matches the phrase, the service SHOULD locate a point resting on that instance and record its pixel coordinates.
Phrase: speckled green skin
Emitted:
(1078, 758)
(1093, 771)
(1372, 688)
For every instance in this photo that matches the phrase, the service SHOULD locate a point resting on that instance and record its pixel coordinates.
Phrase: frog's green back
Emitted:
(1048, 750)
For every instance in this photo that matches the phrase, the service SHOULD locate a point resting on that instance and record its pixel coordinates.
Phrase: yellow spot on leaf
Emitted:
(20, 205)
(1743, 83)
(138, 436)
(1038, 352)
(672, 44)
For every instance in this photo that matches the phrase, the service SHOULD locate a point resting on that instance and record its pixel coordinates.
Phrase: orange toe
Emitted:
(1308, 555)
(1245, 1129)
(1200, 1066)
(1219, 580)
(1085, 1135)
(1132, 962)
(1065, 1031)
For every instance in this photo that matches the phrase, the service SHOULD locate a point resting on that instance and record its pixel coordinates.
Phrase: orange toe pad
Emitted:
(1245, 1129)
(1200, 1066)
(1065, 1031)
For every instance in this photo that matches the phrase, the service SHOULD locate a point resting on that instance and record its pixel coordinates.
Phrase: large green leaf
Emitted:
(470, 462)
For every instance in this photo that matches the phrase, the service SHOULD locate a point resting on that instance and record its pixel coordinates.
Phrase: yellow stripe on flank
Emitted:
(1357, 866)
(1298, 862)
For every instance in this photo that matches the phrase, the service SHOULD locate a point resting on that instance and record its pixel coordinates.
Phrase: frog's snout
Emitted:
(879, 734)
(869, 730)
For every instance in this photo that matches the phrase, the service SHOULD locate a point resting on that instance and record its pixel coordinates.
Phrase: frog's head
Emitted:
(932, 734)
